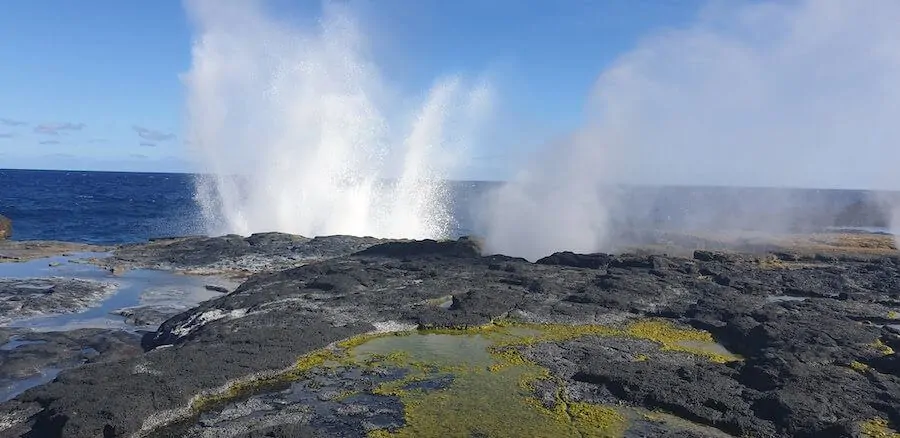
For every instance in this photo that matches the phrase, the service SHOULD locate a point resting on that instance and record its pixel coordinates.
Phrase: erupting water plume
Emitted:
(294, 130)
(757, 94)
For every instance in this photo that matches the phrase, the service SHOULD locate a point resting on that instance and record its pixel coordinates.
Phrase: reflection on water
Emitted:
(442, 349)
(478, 381)
(457, 387)
(73, 265)
(134, 288)
(14, 343)
(17, 387)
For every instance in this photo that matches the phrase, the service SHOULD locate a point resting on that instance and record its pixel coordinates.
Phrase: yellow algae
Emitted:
(672, 338)
(877, 428)
(893, 315)
(665, 333)
(507, 358)
(864, 241)
(882, 348)
(771, 262)
(859, 366)
(595, 421)
(313, 360)
(563, 332)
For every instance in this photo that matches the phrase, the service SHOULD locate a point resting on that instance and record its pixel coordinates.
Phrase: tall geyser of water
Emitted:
(294, 129)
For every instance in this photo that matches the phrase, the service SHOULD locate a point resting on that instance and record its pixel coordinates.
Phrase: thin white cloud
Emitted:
(7, 135)
(57, 128)
(48, 142)
(11, 122)
(148, 144)
(152, 134)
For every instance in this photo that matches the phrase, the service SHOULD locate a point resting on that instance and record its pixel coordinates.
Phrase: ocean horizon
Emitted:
(112, 207)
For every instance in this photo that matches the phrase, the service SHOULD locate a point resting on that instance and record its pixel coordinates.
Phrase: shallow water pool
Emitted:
(133, 288)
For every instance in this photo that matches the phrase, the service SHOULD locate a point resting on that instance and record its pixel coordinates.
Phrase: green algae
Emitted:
(492, 392)
(597, 421)
(669, 336)
(860, 367)
(674, 338)
(447, 350)
(490, 389)
(478, 402)
(882, 348)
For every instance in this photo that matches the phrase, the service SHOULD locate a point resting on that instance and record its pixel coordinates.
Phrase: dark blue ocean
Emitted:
(97, 207)
(113, 207)
(119, 207)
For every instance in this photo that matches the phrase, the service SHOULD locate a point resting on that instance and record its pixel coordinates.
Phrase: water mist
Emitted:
(753, 94)
(295, 130)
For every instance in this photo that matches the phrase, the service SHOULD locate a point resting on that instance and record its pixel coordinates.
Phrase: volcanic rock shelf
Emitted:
(613, 345)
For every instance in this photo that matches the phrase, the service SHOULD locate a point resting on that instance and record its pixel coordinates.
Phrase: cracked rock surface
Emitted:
(815, 335)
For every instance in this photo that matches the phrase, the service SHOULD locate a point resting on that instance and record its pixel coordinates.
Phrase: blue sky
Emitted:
(95, 85)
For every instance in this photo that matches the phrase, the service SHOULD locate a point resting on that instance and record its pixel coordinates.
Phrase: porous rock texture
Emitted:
(815, 334)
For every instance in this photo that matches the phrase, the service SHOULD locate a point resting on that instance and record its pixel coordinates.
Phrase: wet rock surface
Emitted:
(23, 298)
(816, 367)
(236, 255)
(332, 402)
(27, 355)
(148, 316)
(21, 251)
(159, 302)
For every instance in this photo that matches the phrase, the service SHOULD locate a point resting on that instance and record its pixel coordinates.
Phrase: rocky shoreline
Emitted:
(326, 338)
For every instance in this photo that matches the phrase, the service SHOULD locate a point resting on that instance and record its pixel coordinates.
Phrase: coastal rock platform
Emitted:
(355, 337)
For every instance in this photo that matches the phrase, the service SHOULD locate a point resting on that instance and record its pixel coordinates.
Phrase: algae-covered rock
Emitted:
(5, 227)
